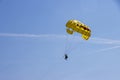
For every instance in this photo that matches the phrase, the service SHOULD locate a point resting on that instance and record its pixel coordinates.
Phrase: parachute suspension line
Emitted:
(66, 44)
(73, 44)
(69, 45)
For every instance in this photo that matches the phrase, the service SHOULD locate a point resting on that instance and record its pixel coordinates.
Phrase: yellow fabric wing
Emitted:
(76, 26)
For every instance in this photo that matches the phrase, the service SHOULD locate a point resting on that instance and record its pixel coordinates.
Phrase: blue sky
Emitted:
(33, 40)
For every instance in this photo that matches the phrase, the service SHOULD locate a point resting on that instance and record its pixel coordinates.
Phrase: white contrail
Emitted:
(32, 35)
(102, 50)
(58, 36)
(104, 41)
(106, 49)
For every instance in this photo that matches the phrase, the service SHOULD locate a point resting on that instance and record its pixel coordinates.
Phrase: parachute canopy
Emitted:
(76, 26)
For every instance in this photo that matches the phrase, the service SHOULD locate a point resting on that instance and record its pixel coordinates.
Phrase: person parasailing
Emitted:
(78, 27)
(65, 56)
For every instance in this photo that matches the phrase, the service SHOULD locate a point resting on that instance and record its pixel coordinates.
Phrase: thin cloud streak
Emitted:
(106, 49)
(102, 50)
(56, 36)
(104, 41)
(31, 35)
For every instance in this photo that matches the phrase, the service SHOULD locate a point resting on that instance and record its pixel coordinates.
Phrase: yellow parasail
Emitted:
(77, 26)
